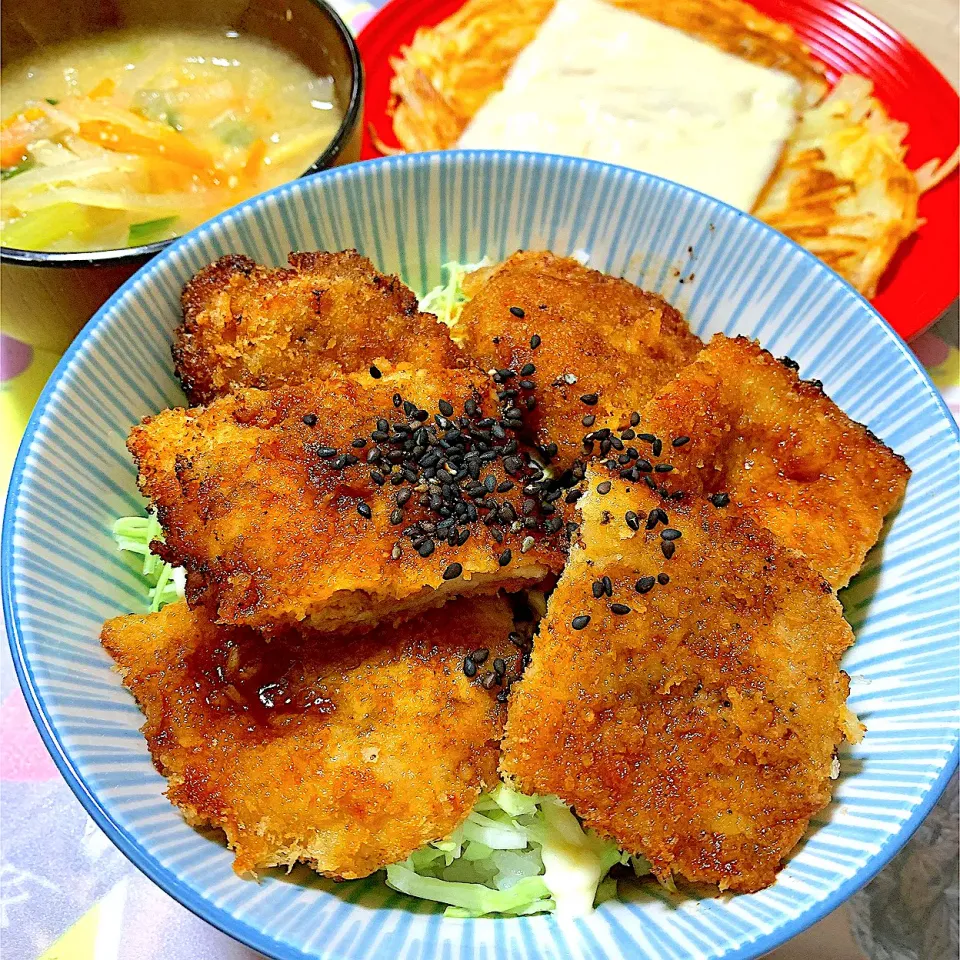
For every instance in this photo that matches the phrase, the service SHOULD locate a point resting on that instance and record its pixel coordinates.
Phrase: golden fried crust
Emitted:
(348, 755)
(699, 728)
(600, 335)
(270, 525)
(788, 456)
(250, 326)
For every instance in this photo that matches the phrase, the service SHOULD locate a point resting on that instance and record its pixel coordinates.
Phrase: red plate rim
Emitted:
(924, 278)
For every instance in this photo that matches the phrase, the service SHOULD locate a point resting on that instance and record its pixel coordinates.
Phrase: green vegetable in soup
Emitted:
(7, 172)
(39, 229)
(151, 230)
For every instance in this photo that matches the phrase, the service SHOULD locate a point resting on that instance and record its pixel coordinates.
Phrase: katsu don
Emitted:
(245, 325)
(684, 695)
(348, 501)
(738, 425)
(597, 347)
(347, 755)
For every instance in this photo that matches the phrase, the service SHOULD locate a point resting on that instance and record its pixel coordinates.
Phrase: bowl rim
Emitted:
(129, 256)
(163, 876)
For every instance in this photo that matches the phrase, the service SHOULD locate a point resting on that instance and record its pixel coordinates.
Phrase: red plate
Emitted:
(923, 279)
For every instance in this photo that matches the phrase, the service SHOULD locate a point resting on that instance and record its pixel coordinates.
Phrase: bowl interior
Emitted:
(62, 575)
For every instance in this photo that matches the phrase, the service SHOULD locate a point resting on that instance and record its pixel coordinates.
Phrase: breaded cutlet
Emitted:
(347, 755)
(782, 450)
(245, 325)
(601, 338)
(344, 502)
(694, 717)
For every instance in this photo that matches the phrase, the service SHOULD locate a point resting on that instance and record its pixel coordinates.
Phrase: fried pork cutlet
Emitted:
(692, 719)
(329, 503)
(348, 755)
(783, 452)
(250, 326)
(606, 345)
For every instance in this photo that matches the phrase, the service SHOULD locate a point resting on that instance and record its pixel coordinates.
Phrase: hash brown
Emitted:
(782, 450)
(697, 724)
(272, 503)
(245, 325)
(600, 335)
(348, 755)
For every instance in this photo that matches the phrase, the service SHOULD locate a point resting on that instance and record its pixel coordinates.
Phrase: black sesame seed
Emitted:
(607, 586)
(528, 370)
(589, 420)
(645, 584)
(325, 453)
(604, 488)
(378, 478)
(663, 467)
(364, 510)
(375, 373)
(489, 681)
(670, 534)
(668, 547)
(590, 399)
(310, 419)
(505, 486)
(720, 499)
(505, 557)
(646, 437)
(527, 384)
(480, 656)
(649, 481)
(597, 589)
(663, 579)
(426, 548)
(446, 408)
(578, 623)
(644, 466)
(397, 400)
(535, 341)
(453, 571)
(679, 441)
(518, 312)
(653, 519)
(633, 521)
(627, 435)
(469, 667)
(620, 609)
(634, 419)
(657, 446)
(499, 666)
(396, 516)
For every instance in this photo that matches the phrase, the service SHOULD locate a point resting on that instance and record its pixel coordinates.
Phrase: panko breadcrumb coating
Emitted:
(250, 326)
(605, 348)
(783, 451)
(688, 708)
(347, 754)
(345, 502)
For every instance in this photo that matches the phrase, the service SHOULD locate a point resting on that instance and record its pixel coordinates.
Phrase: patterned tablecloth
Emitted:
(66, 893)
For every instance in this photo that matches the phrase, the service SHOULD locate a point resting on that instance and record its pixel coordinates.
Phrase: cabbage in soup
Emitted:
(132, 137)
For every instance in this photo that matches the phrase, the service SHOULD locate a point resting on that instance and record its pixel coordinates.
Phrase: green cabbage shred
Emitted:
(165, 582)
(446, 300)
(514, 855)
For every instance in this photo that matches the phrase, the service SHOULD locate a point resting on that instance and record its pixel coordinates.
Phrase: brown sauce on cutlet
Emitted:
(271, 684)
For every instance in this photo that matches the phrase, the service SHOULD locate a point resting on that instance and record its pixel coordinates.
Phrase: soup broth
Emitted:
(132, 137)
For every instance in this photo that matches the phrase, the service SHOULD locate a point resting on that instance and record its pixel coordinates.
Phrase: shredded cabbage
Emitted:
(446, 301)
(514, 855)
(166, 582)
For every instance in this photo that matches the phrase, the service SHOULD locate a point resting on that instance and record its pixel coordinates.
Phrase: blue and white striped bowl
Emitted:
(62, 575)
